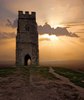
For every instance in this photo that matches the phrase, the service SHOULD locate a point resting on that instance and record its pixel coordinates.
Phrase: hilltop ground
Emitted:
(41, 83)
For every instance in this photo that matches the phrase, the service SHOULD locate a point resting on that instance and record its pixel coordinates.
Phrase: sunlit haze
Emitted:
(66, 14)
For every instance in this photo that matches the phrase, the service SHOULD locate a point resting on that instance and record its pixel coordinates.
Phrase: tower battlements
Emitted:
(26, 15)
(27, 39)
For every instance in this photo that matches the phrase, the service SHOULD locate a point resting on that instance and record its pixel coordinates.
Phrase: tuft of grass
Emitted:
(74, 76)
(42, 71)
(4, 72)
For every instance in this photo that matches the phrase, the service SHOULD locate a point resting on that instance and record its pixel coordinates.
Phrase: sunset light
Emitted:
(55, 24)
(41, 49)
(50, 37)
(60, 29)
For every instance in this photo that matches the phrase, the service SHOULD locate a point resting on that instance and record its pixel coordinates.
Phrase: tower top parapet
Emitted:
(26, 15)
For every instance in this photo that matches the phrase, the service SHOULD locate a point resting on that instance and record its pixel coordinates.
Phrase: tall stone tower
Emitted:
(27, 39)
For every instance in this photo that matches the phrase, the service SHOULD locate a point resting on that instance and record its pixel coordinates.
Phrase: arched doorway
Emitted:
(27, 60)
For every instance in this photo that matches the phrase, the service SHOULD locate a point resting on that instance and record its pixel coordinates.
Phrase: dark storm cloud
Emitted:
(12, 24)
(59, 31)
(46, 28)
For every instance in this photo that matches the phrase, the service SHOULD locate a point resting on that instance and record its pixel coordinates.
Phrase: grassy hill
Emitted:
(32, 83)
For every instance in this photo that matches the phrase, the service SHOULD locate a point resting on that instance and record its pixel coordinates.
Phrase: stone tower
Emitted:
(27, 39)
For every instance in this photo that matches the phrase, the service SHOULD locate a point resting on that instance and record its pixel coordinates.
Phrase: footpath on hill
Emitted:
(25, 83)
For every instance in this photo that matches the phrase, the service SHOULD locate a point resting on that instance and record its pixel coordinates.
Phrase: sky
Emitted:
(57, 16)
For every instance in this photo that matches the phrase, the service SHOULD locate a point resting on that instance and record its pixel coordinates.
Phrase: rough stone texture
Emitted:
(27, 39)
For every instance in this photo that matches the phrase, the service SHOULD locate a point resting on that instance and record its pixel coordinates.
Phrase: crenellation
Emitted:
(20, 13)
(26, 12)
(33, 14)
(26, 15)
(27, 39)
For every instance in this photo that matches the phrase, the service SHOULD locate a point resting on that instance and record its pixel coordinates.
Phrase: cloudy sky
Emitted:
(60, 26)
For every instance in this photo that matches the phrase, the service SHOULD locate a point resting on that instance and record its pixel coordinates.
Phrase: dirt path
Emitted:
(62, 78)
(21, 86)
(67, 81)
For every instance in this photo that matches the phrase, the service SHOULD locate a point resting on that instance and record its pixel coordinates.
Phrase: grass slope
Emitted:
(74, 76)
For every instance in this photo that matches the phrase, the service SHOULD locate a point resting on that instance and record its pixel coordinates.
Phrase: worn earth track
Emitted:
(22, 86)
(67, 81)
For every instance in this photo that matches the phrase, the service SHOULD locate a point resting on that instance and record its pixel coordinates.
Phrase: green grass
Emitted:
(26, 71)
(42, 71)
(74, 76)
(4, 72)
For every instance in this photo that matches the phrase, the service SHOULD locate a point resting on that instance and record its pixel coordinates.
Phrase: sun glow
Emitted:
(50, 37)
(53, 37)
(56, 25)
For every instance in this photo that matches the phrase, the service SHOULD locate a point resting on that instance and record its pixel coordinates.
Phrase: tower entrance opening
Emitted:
(27, 60)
